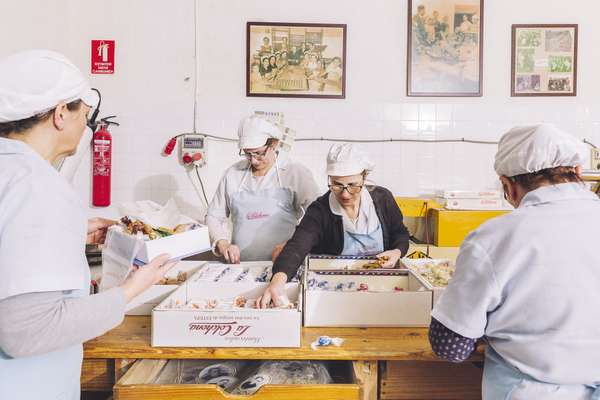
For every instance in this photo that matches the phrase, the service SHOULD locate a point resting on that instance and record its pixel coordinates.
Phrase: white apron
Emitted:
(42, 248)
(502, 381)
(262, 219)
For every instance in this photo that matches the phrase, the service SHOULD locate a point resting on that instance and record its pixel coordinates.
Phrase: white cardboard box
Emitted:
(380, 306)
(150, 298)
(469, 194)
(411, 263)
(474, 204)
(179, 245)
(226, 328)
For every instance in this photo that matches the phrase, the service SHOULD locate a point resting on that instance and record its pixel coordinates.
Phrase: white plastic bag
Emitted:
(117, 259)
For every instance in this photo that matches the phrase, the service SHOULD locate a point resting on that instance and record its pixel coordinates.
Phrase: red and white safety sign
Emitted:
(103, 56)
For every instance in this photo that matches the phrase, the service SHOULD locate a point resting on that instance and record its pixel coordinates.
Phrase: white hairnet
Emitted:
(35, 81)
(254, 131)
(347, 159)
(527, 149)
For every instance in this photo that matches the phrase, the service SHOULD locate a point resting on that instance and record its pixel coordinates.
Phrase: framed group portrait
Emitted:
(295, 60)
(544, 60)
(445, 51)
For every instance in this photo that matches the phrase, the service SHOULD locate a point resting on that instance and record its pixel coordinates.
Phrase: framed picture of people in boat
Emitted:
(295, 60)
(544, 60)
(445, 51)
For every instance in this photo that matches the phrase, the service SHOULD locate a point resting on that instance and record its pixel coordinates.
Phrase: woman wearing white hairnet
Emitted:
(350, 219)
(264, 195)
(45, 310)
(528, 281)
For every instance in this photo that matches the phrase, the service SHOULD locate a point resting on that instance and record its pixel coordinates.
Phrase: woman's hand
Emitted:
(392, 258)
(274, 291)
(144, 277)
(230, 252)
(96, 232)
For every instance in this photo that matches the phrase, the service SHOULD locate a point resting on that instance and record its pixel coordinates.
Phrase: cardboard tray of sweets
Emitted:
(235, 327)
(394, 297)
(413, 264)
(151, 297)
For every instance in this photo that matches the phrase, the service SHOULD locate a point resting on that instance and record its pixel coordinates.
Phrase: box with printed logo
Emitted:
(205, 313)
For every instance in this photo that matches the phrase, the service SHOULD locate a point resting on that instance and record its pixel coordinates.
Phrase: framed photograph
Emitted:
(295, 60)
(445, 51)
(544, 60)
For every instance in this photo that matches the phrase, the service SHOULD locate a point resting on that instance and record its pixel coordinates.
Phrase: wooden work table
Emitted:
(132, 340)
(107, 357)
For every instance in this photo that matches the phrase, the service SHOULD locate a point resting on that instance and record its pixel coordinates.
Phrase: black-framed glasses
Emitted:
(352, 188)
(259, 155)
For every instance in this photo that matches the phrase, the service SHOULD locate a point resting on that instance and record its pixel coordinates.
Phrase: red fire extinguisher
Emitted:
(102, 163)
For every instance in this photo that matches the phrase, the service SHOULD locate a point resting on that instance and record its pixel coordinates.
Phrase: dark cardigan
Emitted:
(322, 232)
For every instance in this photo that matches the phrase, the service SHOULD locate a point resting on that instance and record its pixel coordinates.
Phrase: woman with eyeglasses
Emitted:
(352, 218)
(263, 196)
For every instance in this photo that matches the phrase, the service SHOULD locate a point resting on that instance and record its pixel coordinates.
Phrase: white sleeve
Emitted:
(218, 213)
(306, 189)
(472, 293)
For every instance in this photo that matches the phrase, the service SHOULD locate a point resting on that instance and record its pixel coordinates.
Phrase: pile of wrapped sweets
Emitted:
(226, 273)
(320, 282)
(237, 303)
(436, 273)
(146, 232)
(180, 278)
(244, 377)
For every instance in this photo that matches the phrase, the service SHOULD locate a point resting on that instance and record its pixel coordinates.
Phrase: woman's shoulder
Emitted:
(380, 192)
(321, 203)
(295, 167)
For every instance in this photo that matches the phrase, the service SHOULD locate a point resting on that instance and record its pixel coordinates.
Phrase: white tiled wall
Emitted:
(153, 89)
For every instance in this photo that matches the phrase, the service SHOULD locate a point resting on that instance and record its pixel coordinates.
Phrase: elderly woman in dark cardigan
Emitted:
(352, 218)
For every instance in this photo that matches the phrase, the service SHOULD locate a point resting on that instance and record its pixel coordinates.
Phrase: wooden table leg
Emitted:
(365, 373)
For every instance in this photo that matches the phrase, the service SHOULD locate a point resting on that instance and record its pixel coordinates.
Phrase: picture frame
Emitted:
(295, 60)
(544, 60)
(445, 48)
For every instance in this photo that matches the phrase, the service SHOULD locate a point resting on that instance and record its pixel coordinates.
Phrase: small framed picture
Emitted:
(444, 52)
(544, 60)
(295, 60)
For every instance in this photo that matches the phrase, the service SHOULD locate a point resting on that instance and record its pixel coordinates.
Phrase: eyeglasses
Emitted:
(352, 188)
(259, 155)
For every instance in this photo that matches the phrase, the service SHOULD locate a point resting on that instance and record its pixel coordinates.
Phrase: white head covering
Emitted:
(254, 131)
(527, 149)
(347, 159)
(35, 81)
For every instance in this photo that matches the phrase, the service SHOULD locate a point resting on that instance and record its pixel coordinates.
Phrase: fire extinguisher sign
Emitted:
(103, 56)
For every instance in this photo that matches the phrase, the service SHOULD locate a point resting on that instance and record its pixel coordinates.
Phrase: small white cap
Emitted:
(347, 159)
(254, 131)
(35, 81)
(527, 149)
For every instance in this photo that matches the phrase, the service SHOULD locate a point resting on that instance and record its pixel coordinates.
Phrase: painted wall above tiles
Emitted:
(152, 90)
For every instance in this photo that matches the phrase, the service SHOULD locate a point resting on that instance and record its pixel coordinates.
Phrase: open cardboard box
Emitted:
(380, 306)
(179, 245)
(188, 327)
(412, 264)
(151, 297)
